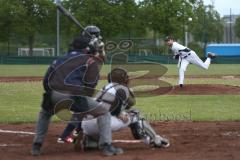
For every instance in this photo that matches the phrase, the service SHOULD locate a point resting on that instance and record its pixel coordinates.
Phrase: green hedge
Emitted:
(132, 58)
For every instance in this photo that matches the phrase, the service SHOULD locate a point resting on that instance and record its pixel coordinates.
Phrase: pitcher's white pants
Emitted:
(194, 59)
(90, 127)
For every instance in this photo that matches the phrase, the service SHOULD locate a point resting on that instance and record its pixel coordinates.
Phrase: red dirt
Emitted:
(20, 79)
(34, 78)
(189, 141)
(205, 89)
(189, 89)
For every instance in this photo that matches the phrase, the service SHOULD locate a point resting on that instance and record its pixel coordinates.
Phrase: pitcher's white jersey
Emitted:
(180, 50)
(187, 56)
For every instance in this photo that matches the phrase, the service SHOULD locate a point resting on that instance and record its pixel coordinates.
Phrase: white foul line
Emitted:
(10, 145)
(16, 132)
(32, 133)
(126, 141)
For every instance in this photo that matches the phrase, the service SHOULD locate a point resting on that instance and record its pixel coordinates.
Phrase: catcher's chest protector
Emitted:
(109, 94)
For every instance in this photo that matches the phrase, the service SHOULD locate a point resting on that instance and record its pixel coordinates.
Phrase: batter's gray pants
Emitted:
(44, 119)
(104, 123)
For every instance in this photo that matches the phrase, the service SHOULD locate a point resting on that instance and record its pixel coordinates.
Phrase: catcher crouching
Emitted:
(116, 95)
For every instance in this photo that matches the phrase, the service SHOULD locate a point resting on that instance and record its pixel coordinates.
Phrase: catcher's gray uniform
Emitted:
(140, 128)
(113, 97)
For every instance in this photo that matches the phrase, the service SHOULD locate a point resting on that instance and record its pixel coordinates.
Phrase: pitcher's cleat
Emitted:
(211, 55)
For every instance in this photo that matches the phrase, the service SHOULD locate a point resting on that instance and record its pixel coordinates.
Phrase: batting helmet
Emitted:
(79, 43)
(92, 30)
(118, 75)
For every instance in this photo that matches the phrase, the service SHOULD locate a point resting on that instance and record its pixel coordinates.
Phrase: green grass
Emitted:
(22, 70)
(39, 70)
(191, 107)
(31, 70)
(20, 101)
(214, 69)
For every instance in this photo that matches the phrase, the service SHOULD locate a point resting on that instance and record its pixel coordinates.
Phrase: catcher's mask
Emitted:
(118, 75)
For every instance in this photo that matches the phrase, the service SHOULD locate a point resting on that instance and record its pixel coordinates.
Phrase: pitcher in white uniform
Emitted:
(186, 56)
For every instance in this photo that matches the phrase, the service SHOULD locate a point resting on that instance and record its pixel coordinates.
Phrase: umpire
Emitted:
(76, 73)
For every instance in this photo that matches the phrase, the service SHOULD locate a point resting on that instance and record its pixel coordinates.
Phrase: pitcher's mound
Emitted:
(205, 89)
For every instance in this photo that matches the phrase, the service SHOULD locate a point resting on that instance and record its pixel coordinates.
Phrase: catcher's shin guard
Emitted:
(78, 142)
(141, 129)
(89, 143)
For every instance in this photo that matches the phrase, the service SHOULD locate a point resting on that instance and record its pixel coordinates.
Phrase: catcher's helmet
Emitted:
(118, 75)
(92, 30)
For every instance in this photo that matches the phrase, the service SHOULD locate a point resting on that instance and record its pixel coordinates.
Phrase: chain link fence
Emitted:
(141, 50)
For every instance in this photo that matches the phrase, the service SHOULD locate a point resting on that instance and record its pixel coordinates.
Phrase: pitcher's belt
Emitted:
(187, 55)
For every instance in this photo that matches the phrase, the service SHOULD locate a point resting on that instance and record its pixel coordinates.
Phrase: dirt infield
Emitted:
(34, 78)
(20, 79)
(189, 141)
(189, 89)
(205, 89)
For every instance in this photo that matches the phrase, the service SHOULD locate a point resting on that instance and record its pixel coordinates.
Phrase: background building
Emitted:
(229, 35)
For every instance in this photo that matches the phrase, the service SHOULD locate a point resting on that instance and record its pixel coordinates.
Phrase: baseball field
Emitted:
(201, 120)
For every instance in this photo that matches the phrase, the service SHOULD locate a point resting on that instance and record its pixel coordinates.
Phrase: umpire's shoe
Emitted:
(109, 150)
(36, 149)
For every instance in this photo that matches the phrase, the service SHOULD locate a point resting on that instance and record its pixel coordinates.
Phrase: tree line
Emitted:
(116, 18)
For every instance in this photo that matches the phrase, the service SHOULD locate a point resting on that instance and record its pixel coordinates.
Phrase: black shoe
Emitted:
(211, 55)
(36, 149)
(109, 150)
(181, 85)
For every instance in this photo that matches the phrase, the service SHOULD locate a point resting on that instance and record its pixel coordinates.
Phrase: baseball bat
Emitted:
(70, 16)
